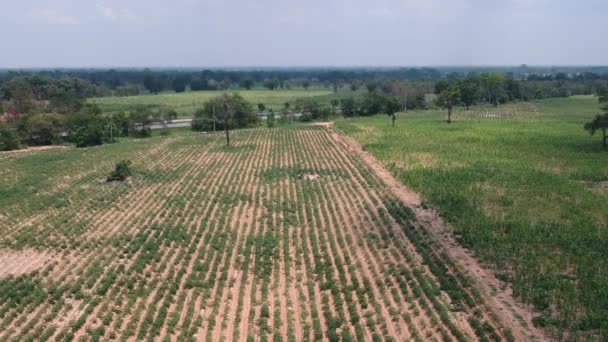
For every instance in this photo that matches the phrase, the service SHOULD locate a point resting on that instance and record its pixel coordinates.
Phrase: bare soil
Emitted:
(19, 262)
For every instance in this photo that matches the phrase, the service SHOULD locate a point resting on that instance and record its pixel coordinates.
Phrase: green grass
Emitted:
(186, 103)
(518, 193)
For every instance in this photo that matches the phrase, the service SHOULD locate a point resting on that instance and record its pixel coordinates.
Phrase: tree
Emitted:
(140, 120)
(600, 122)
(8, 138)
(198, 83)
(287, 112)
(271, 84)
(350, 107)
(226, 112)
(270, 119)
(22, 94)
(469, 88)
(152, 82)
(449, 98)
(164, 115)
(441, 86)
(261, 107)
(179, 84)
(87, 127)
(334, 103)
(371, 86)
(247, 82)
(391, 107)
(493, 86)
(306, 84)
(44, 129)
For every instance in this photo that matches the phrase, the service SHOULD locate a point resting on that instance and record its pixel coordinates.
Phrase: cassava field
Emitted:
(288, 235)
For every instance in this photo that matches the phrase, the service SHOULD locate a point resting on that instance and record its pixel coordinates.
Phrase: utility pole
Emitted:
(227, 122)
(214, 118)
(111, 124)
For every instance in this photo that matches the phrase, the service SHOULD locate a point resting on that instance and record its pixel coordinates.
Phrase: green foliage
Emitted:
(371, 103)
(232, 110)
(448, 98)
(43, 129)
(122, 170)
(270, 119)
(140, 120)
(87, 127)
(9, 140)
(21, 290)
(600, 122)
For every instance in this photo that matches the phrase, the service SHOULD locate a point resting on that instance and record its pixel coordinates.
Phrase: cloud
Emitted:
(53, 17)
(113, 14)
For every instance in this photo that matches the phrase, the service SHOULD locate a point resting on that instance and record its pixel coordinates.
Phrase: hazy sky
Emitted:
(87, 33)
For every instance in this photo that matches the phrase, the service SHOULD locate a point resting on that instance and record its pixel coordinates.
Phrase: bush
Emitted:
(44, 129)
(270, 120)
(86, 128)
(8, 139)
(121, 171)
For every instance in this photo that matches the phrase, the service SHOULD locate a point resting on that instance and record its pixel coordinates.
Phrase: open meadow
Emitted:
(186, 103)
(286, 235)
(525, 187)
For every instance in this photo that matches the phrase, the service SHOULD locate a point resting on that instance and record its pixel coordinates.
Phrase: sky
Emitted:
(280, 33)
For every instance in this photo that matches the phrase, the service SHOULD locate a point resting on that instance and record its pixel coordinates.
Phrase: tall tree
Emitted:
(449, 98)
(227, 111)
(469, 88)
(179, 84)
(391, 106)
(600, 122)
(492, 84)
(441, 86)
(247, 83)
(152, 82)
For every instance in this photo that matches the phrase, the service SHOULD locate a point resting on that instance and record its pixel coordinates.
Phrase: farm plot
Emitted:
(514, 111)
(188, 102)
(286, 235)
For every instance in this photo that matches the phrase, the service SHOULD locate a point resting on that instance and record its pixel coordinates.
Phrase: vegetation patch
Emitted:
(513, 201)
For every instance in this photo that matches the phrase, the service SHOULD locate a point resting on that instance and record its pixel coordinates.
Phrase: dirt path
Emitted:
(499, 297)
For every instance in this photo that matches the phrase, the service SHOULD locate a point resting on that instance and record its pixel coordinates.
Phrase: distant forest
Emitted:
(128, 82)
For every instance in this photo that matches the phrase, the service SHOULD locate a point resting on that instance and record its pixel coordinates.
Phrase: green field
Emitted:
(523, 190)
(186, 103)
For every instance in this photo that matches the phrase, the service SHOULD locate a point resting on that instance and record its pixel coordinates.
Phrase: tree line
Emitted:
(545, 82)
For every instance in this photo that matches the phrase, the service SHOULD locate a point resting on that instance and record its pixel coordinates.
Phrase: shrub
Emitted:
(8, 139)
(121, 171)
(44, 129)
(86, 128)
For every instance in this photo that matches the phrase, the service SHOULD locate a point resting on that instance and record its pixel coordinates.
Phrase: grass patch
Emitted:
(516, 190)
